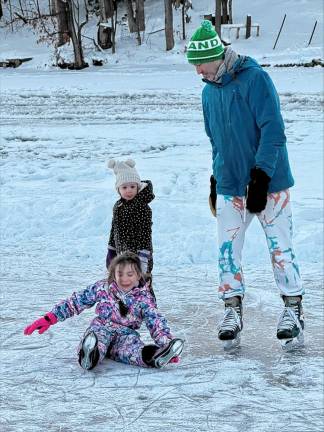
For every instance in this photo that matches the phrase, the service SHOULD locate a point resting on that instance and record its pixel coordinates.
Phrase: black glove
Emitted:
(257, 192)
(212, 195)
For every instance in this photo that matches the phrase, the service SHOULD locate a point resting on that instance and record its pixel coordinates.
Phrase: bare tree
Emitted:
(77, 14)
(230, 13)
(169, 39)
(105, 31)
(185, 6)
(55, 21)
(225, 17)
(218, 17)
(61, 12)
(136, 17)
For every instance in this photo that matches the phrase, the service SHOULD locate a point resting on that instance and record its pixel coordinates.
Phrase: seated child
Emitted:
(131, 227)
(122, 302)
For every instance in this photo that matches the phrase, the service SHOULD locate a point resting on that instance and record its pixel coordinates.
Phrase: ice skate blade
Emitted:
(292, 343)
(175, 349)
(232, 344)
(88, 346)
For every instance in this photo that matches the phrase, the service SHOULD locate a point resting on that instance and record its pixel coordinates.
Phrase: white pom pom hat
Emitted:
(125, 172)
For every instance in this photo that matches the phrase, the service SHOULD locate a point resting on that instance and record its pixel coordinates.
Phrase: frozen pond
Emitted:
(56, 201)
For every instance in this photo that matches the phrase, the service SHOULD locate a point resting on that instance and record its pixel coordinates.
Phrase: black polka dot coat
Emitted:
(131, 227)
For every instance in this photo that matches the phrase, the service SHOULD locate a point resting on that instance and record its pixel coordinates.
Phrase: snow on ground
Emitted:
(292, 46)
(58, 129)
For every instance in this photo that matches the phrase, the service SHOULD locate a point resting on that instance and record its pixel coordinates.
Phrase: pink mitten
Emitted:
(41, 324)
(175, 360)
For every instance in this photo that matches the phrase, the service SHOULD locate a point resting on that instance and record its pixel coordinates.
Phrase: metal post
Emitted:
(310, 40)
(274, 46)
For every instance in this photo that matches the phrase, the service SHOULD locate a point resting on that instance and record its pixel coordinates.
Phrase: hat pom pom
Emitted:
(111, 163)
(207, 25)
(130, 163)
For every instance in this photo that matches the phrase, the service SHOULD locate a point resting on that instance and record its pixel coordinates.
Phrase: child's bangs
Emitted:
(122, 265)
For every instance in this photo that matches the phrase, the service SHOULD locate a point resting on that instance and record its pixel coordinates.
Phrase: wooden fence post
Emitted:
(248, 27)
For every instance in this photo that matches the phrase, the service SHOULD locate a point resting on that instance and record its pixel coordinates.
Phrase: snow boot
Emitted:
(231, 325)
(290, 329)
(159, 357)
(89, 352)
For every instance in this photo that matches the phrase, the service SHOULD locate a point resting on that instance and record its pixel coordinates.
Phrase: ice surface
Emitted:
(56, 202)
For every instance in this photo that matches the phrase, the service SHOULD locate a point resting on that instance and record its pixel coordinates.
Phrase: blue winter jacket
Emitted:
(244, 124)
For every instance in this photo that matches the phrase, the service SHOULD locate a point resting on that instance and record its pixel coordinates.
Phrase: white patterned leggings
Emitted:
(276, 221)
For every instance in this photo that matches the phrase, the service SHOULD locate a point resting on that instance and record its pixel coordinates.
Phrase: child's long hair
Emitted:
(122, 260)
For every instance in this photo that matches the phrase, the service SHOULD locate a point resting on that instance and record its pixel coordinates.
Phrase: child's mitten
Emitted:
(41, 324)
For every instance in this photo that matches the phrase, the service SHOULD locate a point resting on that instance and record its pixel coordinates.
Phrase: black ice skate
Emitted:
(89, 353)
(290, 328)
(160, 357)
(164, 355)
(232, 323)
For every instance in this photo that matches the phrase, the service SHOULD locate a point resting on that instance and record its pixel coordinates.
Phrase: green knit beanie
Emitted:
(205, 45)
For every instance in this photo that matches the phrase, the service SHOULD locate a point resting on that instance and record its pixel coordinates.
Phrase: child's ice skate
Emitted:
(290, 330)
(89, 353)
(231, 325)
(164, 355)
(160, 357)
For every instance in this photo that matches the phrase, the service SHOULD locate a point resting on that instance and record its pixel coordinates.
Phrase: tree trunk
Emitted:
(130, 17)
(106, 9)
(218, 17)
(140, 15)
(136, 18)
(183, 14)
(169, 39)
(51, 6)
(135, 15)
(1, 13)
(230, 13)
(61, 9)
(109, 8)
(113, 26)
(104, 35)
(224, 12)
(76, 37)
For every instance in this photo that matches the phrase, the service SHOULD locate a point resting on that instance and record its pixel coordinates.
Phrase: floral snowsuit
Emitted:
(115, 330)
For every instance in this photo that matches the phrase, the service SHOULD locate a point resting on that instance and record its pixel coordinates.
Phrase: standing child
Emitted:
(131, 227)
(123, 302)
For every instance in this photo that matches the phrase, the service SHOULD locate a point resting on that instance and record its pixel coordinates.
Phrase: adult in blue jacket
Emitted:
(251, 176)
